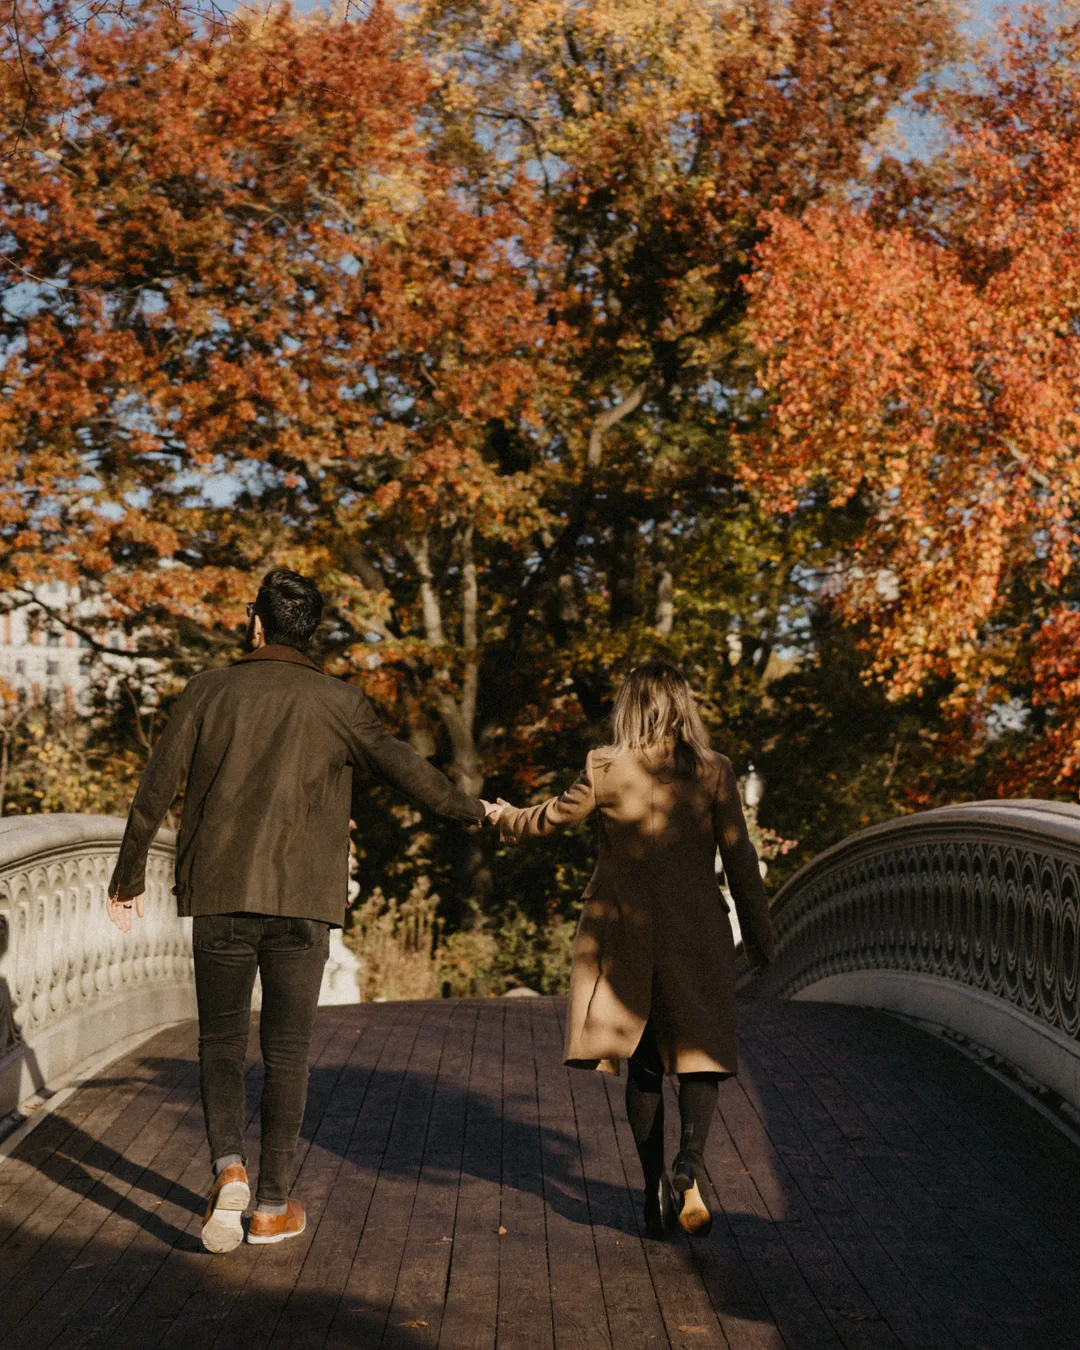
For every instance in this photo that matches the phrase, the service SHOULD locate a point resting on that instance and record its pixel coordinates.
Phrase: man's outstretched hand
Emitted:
(120, 911)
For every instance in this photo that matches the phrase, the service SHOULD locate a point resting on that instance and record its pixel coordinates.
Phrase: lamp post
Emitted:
(752, 786)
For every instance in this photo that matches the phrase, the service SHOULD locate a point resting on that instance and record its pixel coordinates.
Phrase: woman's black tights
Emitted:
(645, 1106)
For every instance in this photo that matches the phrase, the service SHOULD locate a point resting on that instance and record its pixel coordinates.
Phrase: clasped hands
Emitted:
(493, 811)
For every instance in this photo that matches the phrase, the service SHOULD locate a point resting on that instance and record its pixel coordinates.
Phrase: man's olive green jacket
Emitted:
(268, 748)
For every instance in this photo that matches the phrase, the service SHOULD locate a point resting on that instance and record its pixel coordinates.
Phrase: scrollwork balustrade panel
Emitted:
(60, 957)
(986, 896)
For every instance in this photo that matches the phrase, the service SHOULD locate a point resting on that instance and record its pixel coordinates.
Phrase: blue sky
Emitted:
(984, 13)
(920, 132)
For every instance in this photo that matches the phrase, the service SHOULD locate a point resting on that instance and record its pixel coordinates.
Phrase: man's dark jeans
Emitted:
(290, 955)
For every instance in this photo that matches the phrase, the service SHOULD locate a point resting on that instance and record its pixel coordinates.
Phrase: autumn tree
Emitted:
(446, 311)
(243, 269)
(922, 354)
(658, 135)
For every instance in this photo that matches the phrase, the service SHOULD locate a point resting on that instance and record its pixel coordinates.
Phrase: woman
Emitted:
(652, 977)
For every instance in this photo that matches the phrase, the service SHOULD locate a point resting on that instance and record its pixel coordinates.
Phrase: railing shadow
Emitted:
(551, 1171)
(83, 1162)
(845, 1153)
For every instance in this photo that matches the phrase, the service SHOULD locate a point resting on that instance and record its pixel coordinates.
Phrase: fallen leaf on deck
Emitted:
(502, 1230)
(412, 1324)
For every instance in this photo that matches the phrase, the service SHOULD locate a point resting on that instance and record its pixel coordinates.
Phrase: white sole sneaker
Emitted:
(276, 1237)
(223, 1231)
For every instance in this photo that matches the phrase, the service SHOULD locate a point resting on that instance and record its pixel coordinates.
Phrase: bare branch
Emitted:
(607, 419)
(469, 591)
(29, 598)
(144, 739)
(1034, 474)
(530, 126)
(665, 603)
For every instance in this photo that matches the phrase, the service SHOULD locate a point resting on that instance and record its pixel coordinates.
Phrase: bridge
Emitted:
(898, 1163)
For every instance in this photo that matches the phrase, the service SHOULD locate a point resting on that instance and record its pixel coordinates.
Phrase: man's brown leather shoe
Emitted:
(277, 1227)
(230, 1196)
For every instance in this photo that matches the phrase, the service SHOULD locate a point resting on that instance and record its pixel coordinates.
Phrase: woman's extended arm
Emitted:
(557, 813)
(741, 869)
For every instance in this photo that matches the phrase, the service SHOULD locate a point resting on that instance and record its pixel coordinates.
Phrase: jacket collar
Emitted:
(277, 651)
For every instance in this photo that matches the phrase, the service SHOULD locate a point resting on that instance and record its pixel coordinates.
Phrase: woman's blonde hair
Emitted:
(655, 706)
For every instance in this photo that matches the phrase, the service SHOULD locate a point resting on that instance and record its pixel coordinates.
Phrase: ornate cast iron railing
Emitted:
(967, 916)
(71, 984)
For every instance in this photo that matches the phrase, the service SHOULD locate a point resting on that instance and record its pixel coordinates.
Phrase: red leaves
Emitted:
(931, 367)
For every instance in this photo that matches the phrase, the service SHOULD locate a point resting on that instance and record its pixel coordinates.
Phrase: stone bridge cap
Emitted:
(1061, 820)
(24, 837)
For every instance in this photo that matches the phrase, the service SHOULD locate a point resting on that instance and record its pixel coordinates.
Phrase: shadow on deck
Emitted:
(873, 1187)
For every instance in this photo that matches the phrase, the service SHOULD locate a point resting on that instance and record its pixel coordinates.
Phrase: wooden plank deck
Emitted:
(874, 1189)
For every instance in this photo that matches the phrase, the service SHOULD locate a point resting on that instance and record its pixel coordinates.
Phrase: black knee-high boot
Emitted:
(645, 1111)
(697, 1105)
(697, 1102)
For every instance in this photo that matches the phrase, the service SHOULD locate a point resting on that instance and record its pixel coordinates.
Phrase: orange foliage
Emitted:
(241, 260)
(923, 358)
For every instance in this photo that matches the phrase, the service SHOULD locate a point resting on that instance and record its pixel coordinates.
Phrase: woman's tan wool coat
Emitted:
(654, 936)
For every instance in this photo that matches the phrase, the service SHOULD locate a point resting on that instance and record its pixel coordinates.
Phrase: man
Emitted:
(267, 747)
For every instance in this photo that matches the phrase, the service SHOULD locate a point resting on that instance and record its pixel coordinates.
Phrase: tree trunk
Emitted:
(621, 573)
(665, 603)
(459, 715)
(569, 613)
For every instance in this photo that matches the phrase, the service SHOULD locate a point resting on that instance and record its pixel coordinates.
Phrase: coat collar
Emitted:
(277, 651)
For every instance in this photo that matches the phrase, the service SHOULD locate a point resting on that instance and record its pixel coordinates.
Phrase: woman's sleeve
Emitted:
(557, 813)
(741, 869)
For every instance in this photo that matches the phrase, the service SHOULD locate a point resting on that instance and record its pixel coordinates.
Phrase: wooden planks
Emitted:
(872, 1190)
(471, 1309)
(578, 1311)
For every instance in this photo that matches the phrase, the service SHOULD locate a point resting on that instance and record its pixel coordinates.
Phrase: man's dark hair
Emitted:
(290, 607)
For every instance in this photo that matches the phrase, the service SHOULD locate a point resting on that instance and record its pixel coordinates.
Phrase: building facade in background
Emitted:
(43, 660)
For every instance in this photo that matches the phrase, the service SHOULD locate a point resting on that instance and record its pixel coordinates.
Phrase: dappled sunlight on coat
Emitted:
(654, 936)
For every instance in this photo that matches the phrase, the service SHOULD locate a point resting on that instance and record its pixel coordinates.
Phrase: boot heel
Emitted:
(661, 1209)
(235, 1195)
(694, 1216)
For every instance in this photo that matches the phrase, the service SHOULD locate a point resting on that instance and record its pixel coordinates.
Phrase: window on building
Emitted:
(54, 639)
(52, 667)
(20, 667)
